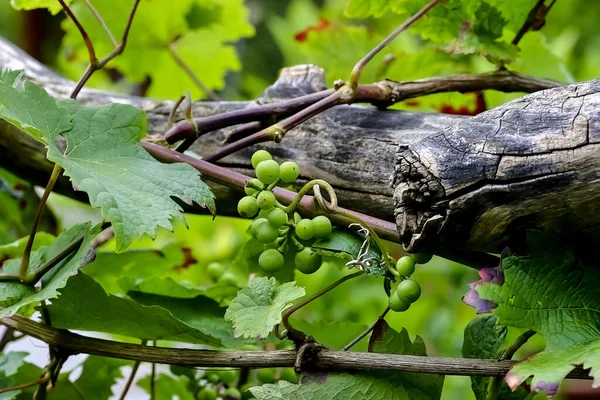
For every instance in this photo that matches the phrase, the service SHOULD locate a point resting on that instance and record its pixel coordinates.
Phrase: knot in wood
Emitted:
(296, 81)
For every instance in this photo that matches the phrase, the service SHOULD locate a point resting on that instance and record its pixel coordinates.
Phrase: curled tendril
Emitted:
(363, 261)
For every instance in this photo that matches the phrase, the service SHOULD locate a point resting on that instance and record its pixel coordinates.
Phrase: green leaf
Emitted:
(359, 386)
(15, 371)
(201, 33)
(555, 294)
(16, 248)
(257, 309)
(334, 334)
(10, 78)
(367, 8)
(97, 377)
(347, 244)
(52, 5)
(99, 150)
(483, 339)
(84, 305)
(15, 295)
(167, 387)
(199, 312)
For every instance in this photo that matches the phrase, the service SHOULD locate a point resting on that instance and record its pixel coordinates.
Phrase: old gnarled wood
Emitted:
(458, 182)
(478, 183)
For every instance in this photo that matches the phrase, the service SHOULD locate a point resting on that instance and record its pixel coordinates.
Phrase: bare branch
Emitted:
(327, 359)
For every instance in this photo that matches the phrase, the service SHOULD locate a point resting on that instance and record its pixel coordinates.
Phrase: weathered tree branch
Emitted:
(351, 147)
(327, 359)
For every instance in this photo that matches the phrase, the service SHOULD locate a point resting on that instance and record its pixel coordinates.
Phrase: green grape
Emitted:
(422, 258)
(305, 229)
(255, 224)
(267, 171)
(247, 207)
(259, 156)
(266, 375)
(185, 371)
(408, 290)
(232, 393)
(263, 213)
(397, 304)
(271, 260)
(228, 278)
(213, 378)
(253, 186)
(228, 376)
(308, 261)
(265, 200)
(289, 171)
(266, 233)
(207, 394)
(288, 374)
(277, 217)
(405, 266)
(214, 271)
(322, 226)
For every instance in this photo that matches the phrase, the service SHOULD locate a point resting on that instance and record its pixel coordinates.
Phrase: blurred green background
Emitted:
(243, 62)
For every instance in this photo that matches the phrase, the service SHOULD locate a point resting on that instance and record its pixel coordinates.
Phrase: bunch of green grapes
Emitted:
(408, 291)
(278, 230)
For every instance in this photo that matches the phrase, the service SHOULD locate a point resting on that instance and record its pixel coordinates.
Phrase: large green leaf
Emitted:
(555, 294)
(167, 387)
(483, 339)
(97, 377)
(257, 308)
(199, 312)
(52, 5)
(359, 386)
(99, 149)
(15, 295)
(84, 305)
(15, 371)
(201, 32)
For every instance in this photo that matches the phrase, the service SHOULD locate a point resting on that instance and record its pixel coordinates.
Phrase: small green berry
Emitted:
(268, 171)
(305, 229)
(408, 290)
(259, 156)
(289, 171)
(405, 266)
(271, 260)
(247, 207)
(265, 200)
(277, 217)
(422, 258)
(322, 227)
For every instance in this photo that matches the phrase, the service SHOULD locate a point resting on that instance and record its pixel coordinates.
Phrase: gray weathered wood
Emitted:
(478, 183)
(458, 182)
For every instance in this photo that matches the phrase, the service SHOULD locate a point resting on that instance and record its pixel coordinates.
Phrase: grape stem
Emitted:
(295, 334)
(42, 380)
(366, 331)
(332, 208)
(360, 65)
(493, 389)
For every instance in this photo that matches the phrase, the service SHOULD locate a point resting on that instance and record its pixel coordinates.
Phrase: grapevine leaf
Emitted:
(15, 295)
(97, 377)
(367, 8)
(99, 149)
(201, 33)
(10, 77)
(347, 244)
(483, 339)
(333, 334)
(168, 387)
(84, 305)
(257, 309)
(15, 371)
(555, 294)
(199, 312)
(359, 386)
(52, 5)
(16, 248)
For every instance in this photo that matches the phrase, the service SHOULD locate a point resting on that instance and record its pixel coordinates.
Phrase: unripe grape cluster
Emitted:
(408, 291)
(279, 231)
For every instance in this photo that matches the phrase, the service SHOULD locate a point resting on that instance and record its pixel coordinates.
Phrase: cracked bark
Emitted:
(457, 182)
(481, 182)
